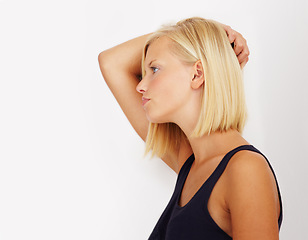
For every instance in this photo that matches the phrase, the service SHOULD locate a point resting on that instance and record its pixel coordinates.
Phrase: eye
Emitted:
(154, 69)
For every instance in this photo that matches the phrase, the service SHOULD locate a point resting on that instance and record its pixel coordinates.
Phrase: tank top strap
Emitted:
(184, 172)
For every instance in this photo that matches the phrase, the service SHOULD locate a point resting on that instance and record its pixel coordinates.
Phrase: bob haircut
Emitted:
(223, 103)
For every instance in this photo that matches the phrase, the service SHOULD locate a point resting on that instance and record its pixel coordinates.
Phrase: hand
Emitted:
(240, 45)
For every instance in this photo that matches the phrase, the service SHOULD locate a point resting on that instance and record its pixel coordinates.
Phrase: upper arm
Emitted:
(252, 198)
(123, 83)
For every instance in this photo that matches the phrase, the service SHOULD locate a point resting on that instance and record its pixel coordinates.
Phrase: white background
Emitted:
(71, 165)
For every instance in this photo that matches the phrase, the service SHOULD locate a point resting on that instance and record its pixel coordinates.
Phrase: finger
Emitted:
(231, 34)
(243, 64)
(239, 45)
(243, 55)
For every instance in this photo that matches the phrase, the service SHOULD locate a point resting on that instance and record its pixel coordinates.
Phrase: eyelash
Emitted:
(154, 68)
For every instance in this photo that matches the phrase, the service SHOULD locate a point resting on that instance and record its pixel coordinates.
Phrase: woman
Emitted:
(192, 115)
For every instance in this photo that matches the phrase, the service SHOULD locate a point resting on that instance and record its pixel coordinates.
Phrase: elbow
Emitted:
(106, 60)
(101, 56)
(102, 60)
(106, 64)
(104, 57)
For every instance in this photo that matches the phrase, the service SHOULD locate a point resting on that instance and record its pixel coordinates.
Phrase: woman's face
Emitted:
(166, 83)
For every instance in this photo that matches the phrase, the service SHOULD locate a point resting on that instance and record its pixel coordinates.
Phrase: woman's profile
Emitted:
(181, 89)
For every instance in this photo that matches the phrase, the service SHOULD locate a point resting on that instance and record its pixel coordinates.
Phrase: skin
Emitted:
(244, 201)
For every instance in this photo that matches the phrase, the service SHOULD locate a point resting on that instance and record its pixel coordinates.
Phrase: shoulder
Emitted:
(247, 162)
(251, 196)
(248, 169)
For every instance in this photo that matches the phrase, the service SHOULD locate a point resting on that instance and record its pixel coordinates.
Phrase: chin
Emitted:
(151, 120)
(157, 119)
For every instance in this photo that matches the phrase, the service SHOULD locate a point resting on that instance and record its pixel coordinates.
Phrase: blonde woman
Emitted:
(189, 108)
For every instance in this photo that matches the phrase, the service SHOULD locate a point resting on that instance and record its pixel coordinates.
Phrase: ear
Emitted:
(198, 75)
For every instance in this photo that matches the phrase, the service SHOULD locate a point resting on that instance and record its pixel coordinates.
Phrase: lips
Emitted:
(144, 100)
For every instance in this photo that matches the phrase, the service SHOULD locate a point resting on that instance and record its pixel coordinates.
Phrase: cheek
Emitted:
(176, 88)
(158, 88)
(170, 91)
(164, 89)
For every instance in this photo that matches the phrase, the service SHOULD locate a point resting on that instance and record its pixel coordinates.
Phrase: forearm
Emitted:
(125, 56)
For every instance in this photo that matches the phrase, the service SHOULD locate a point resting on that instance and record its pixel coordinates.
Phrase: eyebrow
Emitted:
(152, 61)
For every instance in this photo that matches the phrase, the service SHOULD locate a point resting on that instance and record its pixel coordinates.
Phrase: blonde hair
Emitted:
(223, 100)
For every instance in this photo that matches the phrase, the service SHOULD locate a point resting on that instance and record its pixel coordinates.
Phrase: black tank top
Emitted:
(193, 221)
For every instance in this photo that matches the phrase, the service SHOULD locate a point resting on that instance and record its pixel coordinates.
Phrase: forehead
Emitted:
(159, 48)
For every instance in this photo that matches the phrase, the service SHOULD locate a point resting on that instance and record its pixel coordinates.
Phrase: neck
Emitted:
(208, 146)
(214, 144)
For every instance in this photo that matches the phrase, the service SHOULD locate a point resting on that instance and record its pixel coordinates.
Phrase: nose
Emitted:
(141, 88)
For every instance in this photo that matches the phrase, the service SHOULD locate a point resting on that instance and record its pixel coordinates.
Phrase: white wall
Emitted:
(71, 165)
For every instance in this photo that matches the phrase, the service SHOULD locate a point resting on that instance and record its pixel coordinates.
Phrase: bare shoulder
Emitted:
(250, 167)
(247, 160)
(250, 185)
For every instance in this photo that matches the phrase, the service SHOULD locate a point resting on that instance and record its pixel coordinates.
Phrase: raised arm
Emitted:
(121, 68)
